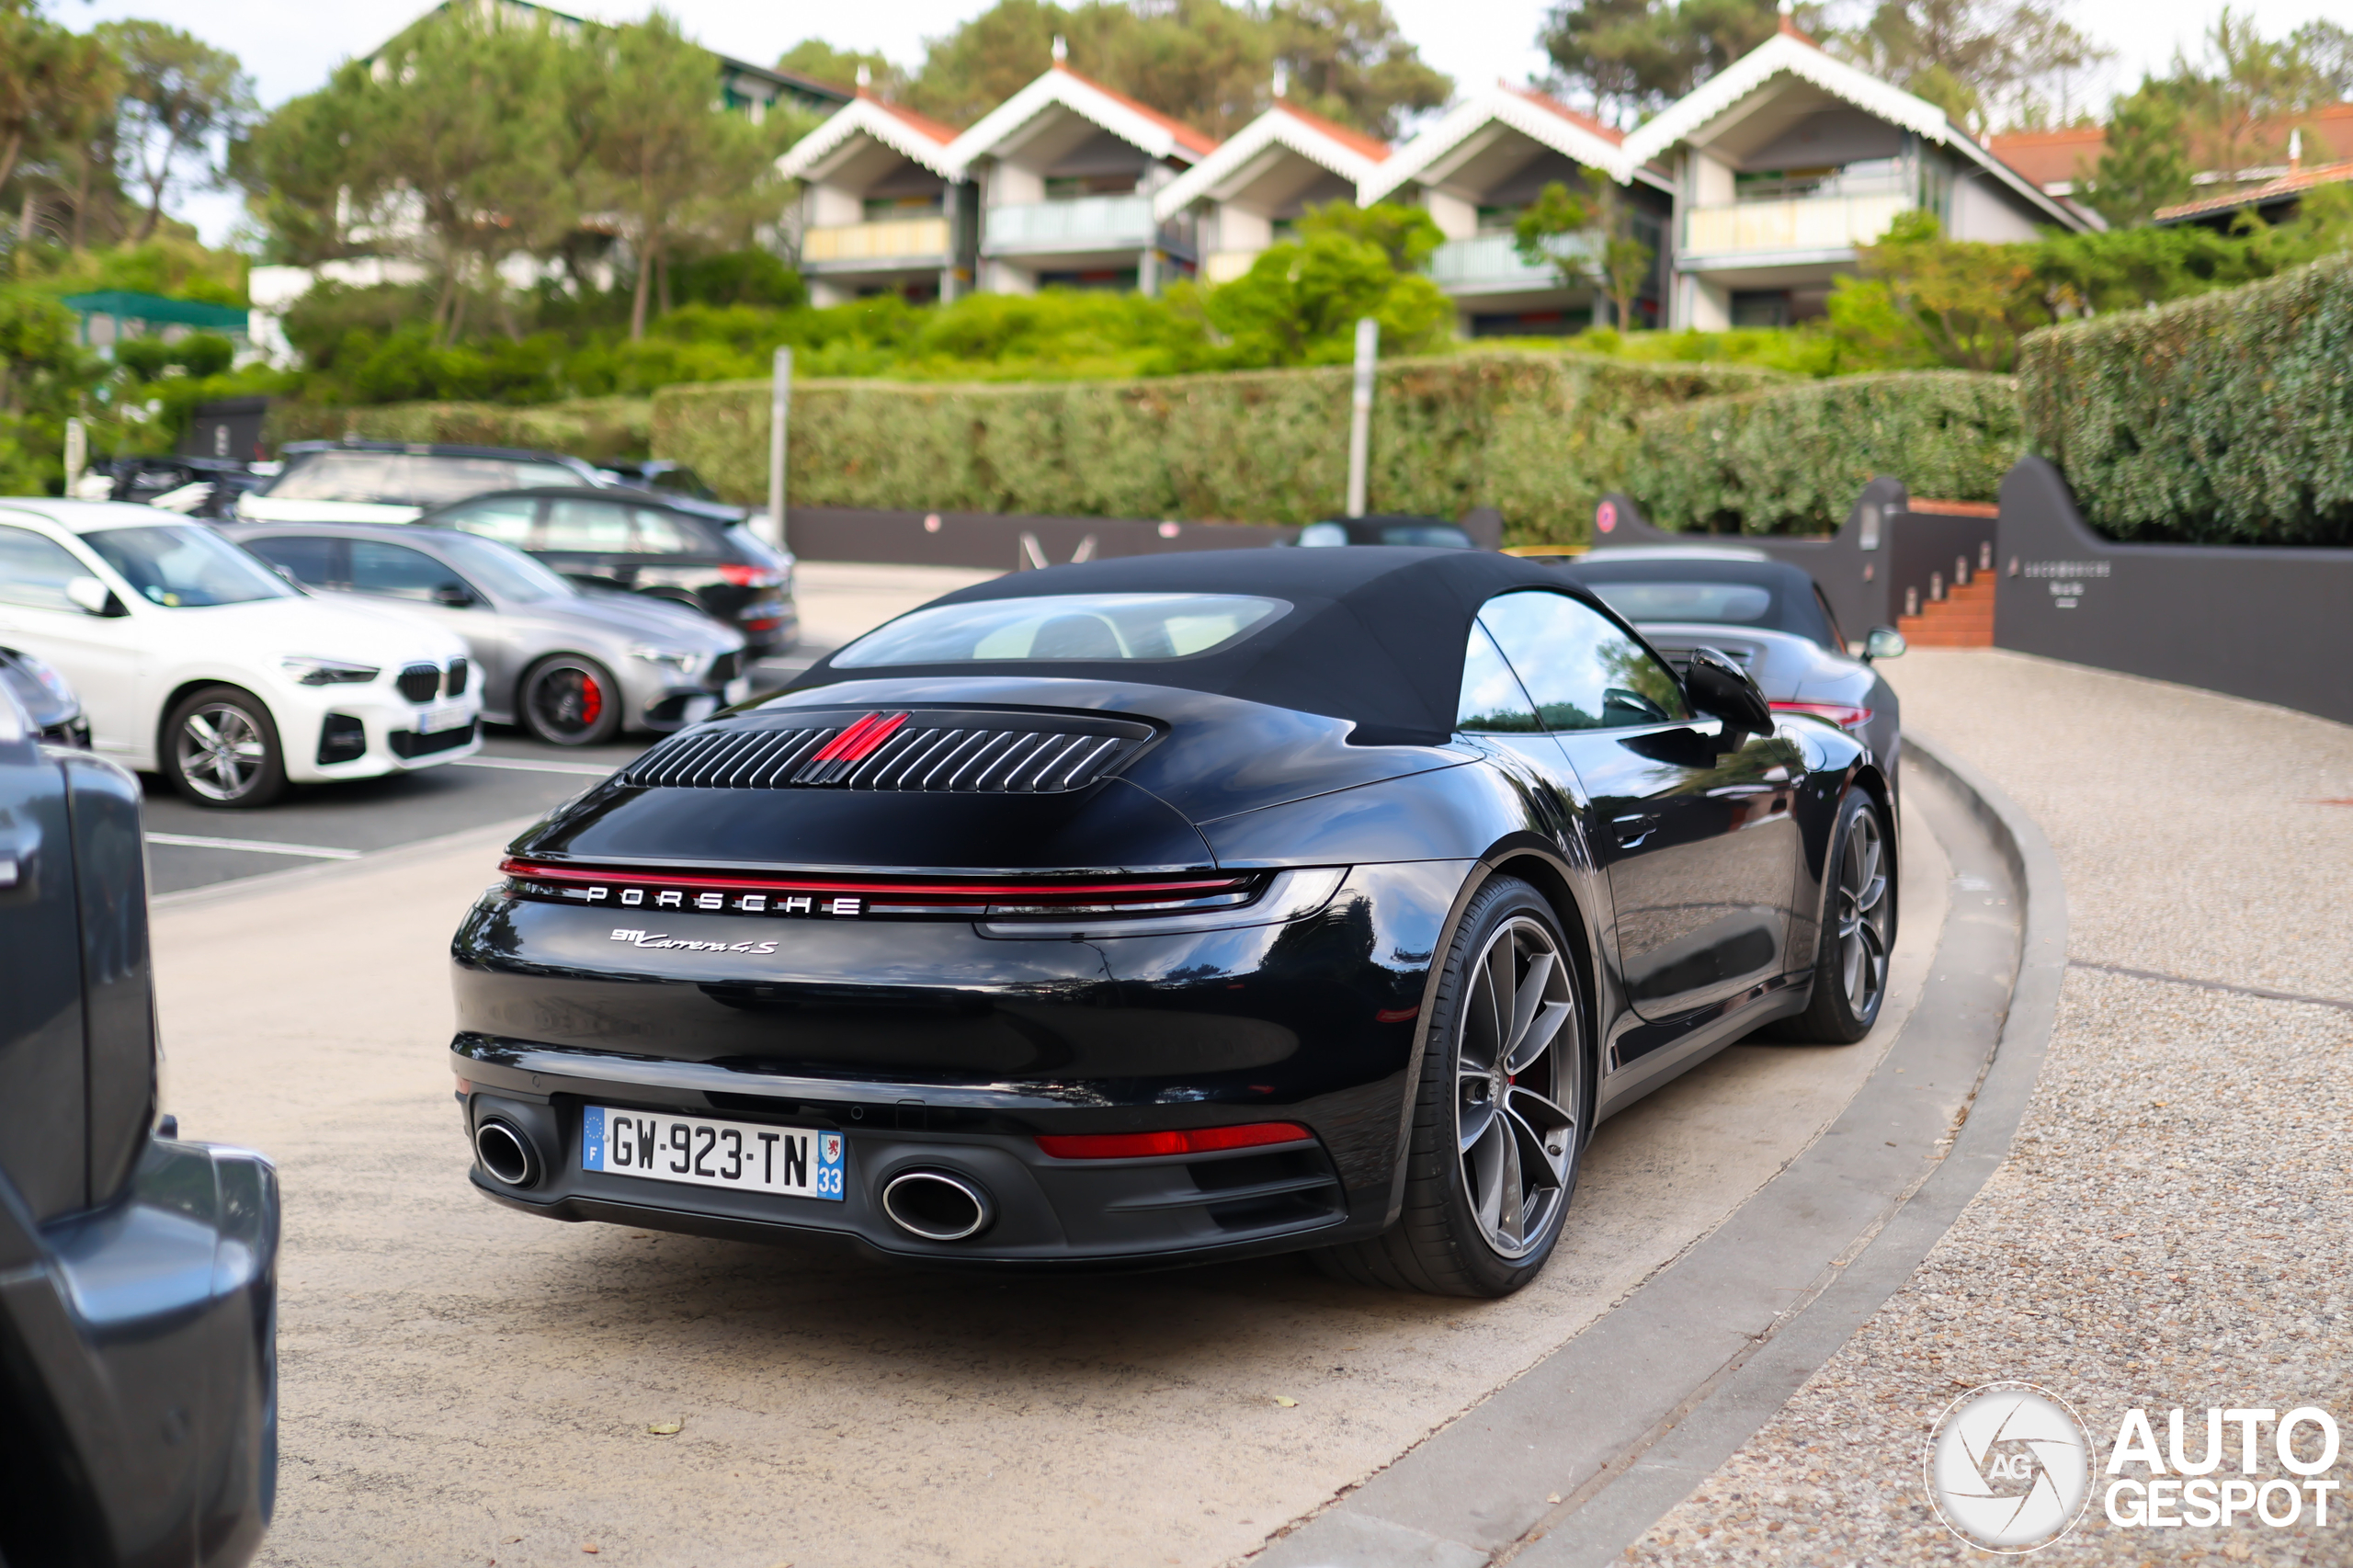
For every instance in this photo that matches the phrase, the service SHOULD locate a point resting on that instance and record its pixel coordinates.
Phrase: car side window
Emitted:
(659, 533)
(34, 570)
(1491, 696)
(398, 571)
(310, 561)
(506, 518)
(1583, 672)
(1837, 632)
(594, 527)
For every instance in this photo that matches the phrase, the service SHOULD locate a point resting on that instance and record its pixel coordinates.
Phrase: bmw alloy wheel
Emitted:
(220, 752)
(1514, 1137)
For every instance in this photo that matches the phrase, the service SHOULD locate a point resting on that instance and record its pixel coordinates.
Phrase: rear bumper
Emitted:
(972, 1047)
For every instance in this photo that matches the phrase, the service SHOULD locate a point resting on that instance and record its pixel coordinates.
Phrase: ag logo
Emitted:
(2008, 1468)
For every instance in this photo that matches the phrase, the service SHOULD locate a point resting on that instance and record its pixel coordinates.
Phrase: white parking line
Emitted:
(523, 765)
(256, 845)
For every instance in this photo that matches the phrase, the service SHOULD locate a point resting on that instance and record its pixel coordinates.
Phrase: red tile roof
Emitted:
(1371, 146)
(1192, 141)
(1552, 104)
(2048, 157)
(2270, 190)
(1790, 29)
(943, 134)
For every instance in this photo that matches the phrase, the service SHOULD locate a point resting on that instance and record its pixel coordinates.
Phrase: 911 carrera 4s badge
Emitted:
(663, 940)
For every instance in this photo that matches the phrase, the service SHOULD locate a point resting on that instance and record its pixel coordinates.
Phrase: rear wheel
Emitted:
(1500, 1118)
(568, 700)
(1857, 931)
(220, 749)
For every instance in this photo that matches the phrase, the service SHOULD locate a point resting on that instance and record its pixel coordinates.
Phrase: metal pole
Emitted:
(779, 410)
(77, 453)
(1360, 412)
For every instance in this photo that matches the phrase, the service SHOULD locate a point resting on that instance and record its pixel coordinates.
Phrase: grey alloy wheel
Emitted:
(1513, 1133)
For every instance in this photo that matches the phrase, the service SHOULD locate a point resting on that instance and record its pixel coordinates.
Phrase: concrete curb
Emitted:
(1579, 1456)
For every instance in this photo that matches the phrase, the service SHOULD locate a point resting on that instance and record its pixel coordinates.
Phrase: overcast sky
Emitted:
(291, 45)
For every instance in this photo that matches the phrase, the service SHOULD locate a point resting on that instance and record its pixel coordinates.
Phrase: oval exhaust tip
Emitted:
(935, 1206)
(506, 1153)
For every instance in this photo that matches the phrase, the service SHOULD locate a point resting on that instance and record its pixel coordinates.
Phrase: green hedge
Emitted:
(2225, 419)
(1790, 459)
(595, 429)
(1537, 436)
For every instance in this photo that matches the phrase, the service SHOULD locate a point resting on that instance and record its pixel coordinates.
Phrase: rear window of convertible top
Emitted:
(1093, 628)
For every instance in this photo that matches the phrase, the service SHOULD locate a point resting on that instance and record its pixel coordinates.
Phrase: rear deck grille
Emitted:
(928, 751)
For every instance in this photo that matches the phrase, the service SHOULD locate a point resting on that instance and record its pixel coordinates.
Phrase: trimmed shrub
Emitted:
(2225, 419)
(1539, 437)
(1789, 461)
(595, 429)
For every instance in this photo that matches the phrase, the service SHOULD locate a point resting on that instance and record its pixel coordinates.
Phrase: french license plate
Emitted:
(798, 1162)
(449, 716)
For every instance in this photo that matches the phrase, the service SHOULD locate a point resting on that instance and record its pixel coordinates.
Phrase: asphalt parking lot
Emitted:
(513, 779)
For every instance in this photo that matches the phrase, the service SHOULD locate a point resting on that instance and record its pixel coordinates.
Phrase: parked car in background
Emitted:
(194, 487)
(197, 662)
(1386, 528)
(386, 482)
(645, 544)
(1769, 618)
(138, 1273)
(47, 698)
(574, 666)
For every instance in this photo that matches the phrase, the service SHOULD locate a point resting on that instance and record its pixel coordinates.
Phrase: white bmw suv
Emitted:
(196, 661)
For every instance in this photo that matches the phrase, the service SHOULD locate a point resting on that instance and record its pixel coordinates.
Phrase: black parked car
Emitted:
(1769, 618)
(46, 698)
(392, 481)
(1170, 908)
(642, 543)
(138, 1273)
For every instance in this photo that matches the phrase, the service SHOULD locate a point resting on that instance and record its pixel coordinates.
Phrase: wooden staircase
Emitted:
(1963, 619)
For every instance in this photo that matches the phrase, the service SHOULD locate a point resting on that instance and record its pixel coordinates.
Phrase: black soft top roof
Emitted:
(1375, 634)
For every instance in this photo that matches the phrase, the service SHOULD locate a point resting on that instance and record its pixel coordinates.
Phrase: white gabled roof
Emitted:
(925, 141)
(1573, 135)
(1350, 155)
(1799, 57)
(1157, 135)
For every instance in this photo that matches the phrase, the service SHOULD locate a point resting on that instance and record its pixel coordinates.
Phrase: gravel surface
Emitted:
(2169, 1230)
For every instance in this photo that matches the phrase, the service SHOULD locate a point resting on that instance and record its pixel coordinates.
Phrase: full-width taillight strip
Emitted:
(984, 892)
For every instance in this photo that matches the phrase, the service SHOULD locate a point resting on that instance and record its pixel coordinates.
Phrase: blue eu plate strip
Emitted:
(592, 1139)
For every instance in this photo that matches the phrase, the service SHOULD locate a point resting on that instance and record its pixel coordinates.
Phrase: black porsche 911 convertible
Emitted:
(1172, 908)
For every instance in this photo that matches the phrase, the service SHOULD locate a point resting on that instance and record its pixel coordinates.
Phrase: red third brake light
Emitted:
(751, 576)
(1844, 715)
(1193, 1141)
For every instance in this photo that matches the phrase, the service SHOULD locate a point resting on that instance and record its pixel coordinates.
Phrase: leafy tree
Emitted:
(1609, 257)
(1978, 59)
(677, 177)
(178, 93)
(815, 57)
(1301, 300)
(1969, 301)
(2144, 164)
(1407, 235)
(1632, 58)
(1208, 62)
(53, 83)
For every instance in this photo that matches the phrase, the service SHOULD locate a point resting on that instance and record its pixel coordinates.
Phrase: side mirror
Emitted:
(1722, 689)
(91, 596)
(457, 596)
(1884, 642)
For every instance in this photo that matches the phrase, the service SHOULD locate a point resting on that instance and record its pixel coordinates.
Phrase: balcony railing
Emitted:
(1490, 261)
(889, 240)
(1083, 222)
(1804, 223)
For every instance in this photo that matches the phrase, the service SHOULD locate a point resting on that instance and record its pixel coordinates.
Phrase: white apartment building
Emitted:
(1247, 195)
(883, 208)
